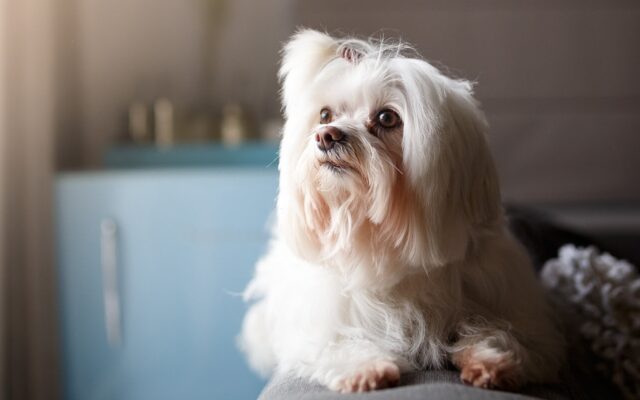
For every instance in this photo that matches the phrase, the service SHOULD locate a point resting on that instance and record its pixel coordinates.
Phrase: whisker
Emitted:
(272, 161)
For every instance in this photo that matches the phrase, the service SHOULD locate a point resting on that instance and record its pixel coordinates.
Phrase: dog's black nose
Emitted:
(327, 136)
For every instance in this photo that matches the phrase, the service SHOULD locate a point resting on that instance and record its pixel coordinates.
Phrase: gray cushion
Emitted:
(419, 385)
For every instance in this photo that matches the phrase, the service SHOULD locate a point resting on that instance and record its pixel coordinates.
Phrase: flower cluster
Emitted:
(605, 293)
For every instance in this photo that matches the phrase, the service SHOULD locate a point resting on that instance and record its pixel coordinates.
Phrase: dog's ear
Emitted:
(449, 164)
(302, 58)
(479, 190)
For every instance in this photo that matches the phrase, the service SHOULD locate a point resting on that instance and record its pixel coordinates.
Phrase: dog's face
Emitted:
(382, 156)
(355, 142)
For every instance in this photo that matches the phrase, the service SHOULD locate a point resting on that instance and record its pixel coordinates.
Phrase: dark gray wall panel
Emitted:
(558, 80)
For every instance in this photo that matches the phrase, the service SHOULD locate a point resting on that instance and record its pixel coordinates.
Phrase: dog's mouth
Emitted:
(337, 159)
(333, 166)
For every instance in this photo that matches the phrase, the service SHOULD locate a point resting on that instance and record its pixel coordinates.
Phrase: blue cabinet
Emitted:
(151, 265)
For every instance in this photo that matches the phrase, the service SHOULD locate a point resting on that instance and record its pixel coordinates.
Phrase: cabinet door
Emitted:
(186, 244)
(90, 364)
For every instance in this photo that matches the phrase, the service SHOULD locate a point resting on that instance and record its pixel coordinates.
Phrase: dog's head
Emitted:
(382, 155)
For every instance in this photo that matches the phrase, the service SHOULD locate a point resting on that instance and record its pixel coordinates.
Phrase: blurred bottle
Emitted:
(235, 125)
(164, 122)
(139, 123)
(272, 130)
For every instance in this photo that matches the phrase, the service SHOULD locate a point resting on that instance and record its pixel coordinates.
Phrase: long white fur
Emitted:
(404, 256)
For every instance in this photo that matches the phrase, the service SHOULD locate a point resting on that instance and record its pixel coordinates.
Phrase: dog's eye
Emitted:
(388, 119)
(326, 116)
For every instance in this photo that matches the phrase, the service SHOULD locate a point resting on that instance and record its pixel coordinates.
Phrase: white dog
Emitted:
(390, 251)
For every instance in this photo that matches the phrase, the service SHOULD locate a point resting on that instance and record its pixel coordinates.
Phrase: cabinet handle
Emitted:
(109, 259)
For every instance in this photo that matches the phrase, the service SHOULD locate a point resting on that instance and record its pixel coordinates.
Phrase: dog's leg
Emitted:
(490, 358)
(369, 375)
(357, 366)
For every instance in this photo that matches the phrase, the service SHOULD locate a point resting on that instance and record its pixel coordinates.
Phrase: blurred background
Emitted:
(138, 150)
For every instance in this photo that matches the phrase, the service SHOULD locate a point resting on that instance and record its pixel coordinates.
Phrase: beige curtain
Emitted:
(28, 331)
(3, 133)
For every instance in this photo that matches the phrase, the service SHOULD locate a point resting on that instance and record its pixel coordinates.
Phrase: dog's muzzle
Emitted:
(328, 136)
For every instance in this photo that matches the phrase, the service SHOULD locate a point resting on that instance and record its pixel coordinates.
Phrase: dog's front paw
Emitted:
(501, 372)
(373, 375)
